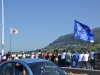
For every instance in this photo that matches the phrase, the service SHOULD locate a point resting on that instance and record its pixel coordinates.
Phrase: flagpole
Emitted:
(2, 27)
(10, 42)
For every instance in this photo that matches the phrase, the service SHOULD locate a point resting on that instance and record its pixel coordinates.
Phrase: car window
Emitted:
(45, 68)
(20, 69)
(6, 68)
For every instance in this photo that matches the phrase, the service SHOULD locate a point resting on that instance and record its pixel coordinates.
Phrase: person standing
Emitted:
(23, 55)
(3, 58)
(39, 54)
(45, 55)
(68, 59)
(16, 57)
(80, 60)
(9, 56)
(33, 55)
(63, 61)
(48, 56)
(92, 61)
(53, 56)
(75, 58)
(85, 60)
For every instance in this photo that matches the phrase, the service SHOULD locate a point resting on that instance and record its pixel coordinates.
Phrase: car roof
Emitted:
(30, 60)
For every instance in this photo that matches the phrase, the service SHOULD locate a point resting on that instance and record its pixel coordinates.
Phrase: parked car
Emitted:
(30, 66)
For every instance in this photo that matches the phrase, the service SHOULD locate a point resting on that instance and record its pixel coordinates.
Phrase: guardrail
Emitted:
(79, 70)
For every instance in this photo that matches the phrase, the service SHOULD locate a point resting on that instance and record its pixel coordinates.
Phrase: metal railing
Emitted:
(79, 70)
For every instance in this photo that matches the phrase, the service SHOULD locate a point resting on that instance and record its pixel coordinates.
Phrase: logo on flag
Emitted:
(13, 31)
(83, 32)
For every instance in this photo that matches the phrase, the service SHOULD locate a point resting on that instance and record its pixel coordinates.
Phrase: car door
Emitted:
(6, 69)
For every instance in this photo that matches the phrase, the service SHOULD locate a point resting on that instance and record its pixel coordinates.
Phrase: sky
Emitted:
(40, 22)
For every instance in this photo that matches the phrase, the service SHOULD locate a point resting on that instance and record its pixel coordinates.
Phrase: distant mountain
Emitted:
(64, 41)
(67, 41)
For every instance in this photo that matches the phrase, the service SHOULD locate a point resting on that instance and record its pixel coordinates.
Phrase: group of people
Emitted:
(66, 59)
(8, 56)
(80, 60)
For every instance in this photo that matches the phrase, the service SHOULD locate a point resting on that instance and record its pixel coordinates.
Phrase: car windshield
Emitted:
(46, 68)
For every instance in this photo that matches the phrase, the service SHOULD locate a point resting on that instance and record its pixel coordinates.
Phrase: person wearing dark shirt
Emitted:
(53, 56)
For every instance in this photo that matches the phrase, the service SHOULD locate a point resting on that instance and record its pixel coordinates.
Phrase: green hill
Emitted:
(69, 43)
(68, 40)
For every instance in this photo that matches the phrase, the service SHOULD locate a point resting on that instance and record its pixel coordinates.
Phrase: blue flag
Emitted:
(83, 32)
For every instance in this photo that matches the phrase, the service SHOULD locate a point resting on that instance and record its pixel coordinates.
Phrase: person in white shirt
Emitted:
(16, 57)
(80, 60)
(32, 55)
(39, 54)
(23, 55)
(63, 61)
(85, 60)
